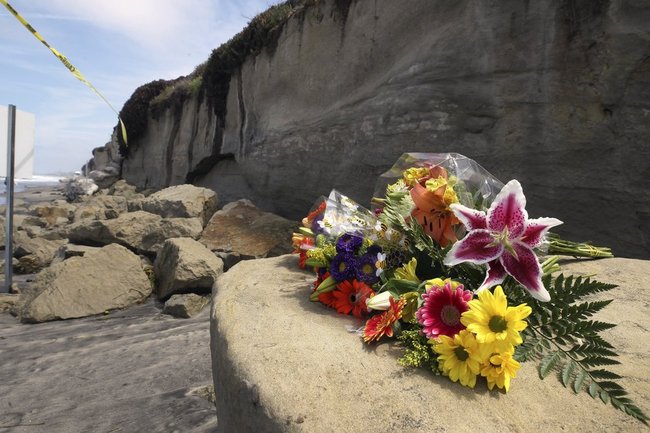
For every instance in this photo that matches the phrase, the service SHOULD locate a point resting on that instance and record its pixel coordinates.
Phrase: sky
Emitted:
(117, 45)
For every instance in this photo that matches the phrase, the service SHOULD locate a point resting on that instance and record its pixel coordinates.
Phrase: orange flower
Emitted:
(382, 324)
(326, 298)
(314, 214)
(351, 296)
(433, 214)
(300, 245)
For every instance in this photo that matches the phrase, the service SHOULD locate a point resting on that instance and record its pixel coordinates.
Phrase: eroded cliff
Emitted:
(553, 93)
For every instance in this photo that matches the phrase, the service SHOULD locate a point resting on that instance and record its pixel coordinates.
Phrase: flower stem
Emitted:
(550, 265)
(558, 245)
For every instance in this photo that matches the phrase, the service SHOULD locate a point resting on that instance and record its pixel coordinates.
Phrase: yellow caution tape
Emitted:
(74, 71)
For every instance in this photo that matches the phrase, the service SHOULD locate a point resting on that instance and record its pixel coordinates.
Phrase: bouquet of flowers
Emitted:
(447, 262)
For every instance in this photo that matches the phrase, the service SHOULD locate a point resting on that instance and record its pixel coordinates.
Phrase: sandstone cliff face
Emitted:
(176, 142)
(555, 94)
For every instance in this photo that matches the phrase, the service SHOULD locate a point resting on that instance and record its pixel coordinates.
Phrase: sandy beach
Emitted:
(128, 371)
(133, 370)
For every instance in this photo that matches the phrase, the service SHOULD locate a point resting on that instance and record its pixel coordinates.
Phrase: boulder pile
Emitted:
(116, 247)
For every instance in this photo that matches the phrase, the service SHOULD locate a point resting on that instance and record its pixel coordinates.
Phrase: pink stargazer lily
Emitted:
(503, 239)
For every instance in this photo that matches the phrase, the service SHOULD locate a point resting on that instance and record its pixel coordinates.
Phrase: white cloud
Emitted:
(157, 24)
(126, 43)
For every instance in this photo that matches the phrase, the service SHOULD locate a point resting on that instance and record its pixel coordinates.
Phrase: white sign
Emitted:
(24, 150)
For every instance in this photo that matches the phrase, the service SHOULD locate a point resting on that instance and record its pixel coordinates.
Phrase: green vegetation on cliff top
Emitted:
(210, 80)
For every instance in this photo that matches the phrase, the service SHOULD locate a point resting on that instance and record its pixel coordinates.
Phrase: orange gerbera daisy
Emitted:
(382, 324)
(351, 296)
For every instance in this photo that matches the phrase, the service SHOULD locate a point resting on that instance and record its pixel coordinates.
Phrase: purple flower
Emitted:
(503, 239)
(316, 226)
(343, 267)
(348, 243)
(366, 269)
(374, 249)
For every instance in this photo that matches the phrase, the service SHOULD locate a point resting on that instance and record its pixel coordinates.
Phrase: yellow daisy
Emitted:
(459, 357)
(493, 322)
(499, 369)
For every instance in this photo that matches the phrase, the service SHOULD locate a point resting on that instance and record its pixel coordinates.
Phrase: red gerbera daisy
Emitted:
(440, 313)
(382, 324)
(350, 296)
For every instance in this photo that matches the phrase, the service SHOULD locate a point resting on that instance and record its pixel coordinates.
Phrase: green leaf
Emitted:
(604, 397)
(598, 360)
(593, 389)
(548, 363)
(402, 286)
(580, 380)
(604, 374)
(567, 371)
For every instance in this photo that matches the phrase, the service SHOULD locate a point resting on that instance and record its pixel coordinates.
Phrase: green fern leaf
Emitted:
(594, 361)
(548, 363)
(580, 380)
(563, 337)
(567, 372)
(604, 374)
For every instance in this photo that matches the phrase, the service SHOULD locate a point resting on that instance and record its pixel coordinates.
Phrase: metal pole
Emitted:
(9, 181)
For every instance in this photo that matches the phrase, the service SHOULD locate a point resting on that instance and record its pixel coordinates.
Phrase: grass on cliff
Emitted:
(210, 80)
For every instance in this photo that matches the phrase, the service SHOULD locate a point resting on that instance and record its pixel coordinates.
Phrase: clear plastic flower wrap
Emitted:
(475, 186)
(344, 215)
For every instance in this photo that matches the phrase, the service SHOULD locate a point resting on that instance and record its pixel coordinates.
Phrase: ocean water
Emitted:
(37, 181)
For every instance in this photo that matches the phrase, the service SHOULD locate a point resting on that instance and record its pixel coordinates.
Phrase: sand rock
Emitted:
(71, 250)
(186, 305)
(185, 265)
(54, 213)
(241, 231)
(77, 187)
(140, 231)
(8, 300)
(101, 207)
(106, 177)
(123, 189)
(30, 220)
(135, 203)
(14, 262)
(263, 326)
(33, 254)
(106, 279)
(182, 201)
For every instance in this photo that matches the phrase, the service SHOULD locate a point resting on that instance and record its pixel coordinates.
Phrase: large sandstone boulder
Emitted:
(185, 265)
(106, 279)
(7, 301)
(54, 213)
(101, 207)
(71, 250)
(34, 254)
(123, 189)
(140, 231)
(242, 231)
(182, 201)
(183, 306)
(263, 326)
(106, 177)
